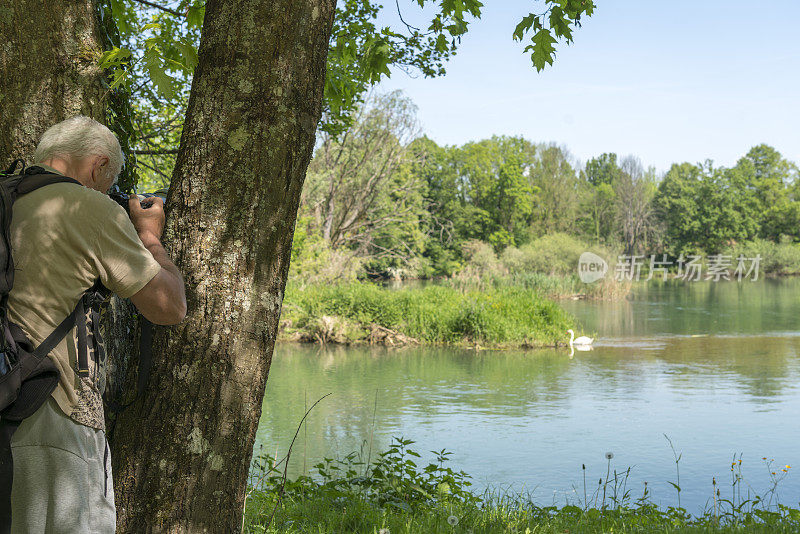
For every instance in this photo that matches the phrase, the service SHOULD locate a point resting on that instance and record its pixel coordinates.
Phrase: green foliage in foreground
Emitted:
(392, 494)
(432, 314)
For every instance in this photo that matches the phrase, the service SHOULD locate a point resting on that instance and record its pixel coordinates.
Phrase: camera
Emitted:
(122, 198)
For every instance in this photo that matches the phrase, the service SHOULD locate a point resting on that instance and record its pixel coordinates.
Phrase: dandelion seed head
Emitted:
(452, 520)
(609, 455)
(384, 531)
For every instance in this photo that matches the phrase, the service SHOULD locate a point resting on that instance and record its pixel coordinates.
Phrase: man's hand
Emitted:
(163, 299)
(149, 221)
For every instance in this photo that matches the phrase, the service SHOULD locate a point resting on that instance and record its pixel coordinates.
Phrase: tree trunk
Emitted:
(48, 70)
(182, 453)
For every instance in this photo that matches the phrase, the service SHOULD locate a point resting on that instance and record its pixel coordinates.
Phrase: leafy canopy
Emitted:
(160, 38)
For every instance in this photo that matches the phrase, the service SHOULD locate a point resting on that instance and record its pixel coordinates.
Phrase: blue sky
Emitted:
(665, 81)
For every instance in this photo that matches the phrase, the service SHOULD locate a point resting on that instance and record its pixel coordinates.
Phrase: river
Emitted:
(713, 366)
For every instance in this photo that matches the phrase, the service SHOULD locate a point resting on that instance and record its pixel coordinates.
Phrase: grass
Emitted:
(394, 495)
(358, 312)
(552, 286)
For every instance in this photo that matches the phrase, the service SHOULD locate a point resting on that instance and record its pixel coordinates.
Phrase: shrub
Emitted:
(480, 258)
(776, 258)
(552, 254)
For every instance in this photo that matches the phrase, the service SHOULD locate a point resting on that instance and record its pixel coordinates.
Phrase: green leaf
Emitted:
(194, 17)
(157, 72)
(523, 26)
(441, 43)
(123, 16)
(189, 54)
(543, 49)
(114, 57)
(560, 24)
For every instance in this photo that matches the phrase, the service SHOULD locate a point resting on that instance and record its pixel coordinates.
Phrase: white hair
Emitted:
(80, 137)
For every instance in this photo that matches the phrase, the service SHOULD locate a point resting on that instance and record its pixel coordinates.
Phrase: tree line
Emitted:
(395, 202)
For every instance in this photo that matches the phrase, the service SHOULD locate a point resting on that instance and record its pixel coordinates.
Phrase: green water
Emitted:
(716, 367)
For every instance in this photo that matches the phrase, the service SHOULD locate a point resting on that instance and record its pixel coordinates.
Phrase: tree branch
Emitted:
(156, 152)
(162, 8)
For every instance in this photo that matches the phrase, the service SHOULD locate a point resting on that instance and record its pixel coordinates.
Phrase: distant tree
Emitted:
(599, 199)
(359, 188)
(677, 208)
(602, 170)
(704, 209)
(450, 216)
(555, 182)
(770, 180)
(495, 173)
(635, 190)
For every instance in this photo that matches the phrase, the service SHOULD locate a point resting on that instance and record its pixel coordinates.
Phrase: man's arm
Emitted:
(163, 299)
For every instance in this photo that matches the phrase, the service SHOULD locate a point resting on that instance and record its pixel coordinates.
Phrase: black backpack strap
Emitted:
(83, 344)
(40, 375)
(60, 331)
(12, 169)
(31, 182)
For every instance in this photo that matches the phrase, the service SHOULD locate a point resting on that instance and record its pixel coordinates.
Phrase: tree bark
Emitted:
(182, 453)
(48, 70)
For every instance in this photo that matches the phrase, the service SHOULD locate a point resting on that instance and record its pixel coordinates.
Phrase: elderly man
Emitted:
(65, 239)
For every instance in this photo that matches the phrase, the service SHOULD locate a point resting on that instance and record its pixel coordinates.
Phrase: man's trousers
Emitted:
(62, 476)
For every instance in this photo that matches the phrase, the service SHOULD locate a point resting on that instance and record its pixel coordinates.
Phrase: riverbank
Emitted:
(363, 313)
(394, 495)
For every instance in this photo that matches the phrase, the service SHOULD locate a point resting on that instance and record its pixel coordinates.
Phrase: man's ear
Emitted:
(99, 168)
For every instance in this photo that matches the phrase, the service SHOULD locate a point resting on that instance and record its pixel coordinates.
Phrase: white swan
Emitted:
(580, 342)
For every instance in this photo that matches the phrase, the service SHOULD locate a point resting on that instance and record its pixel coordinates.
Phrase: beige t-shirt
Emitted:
(64, 238)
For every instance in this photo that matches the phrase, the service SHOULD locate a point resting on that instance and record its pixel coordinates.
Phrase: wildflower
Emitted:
(774, 473)
(788, 467)
(764, 458)
(609, 455)
(452, 520)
